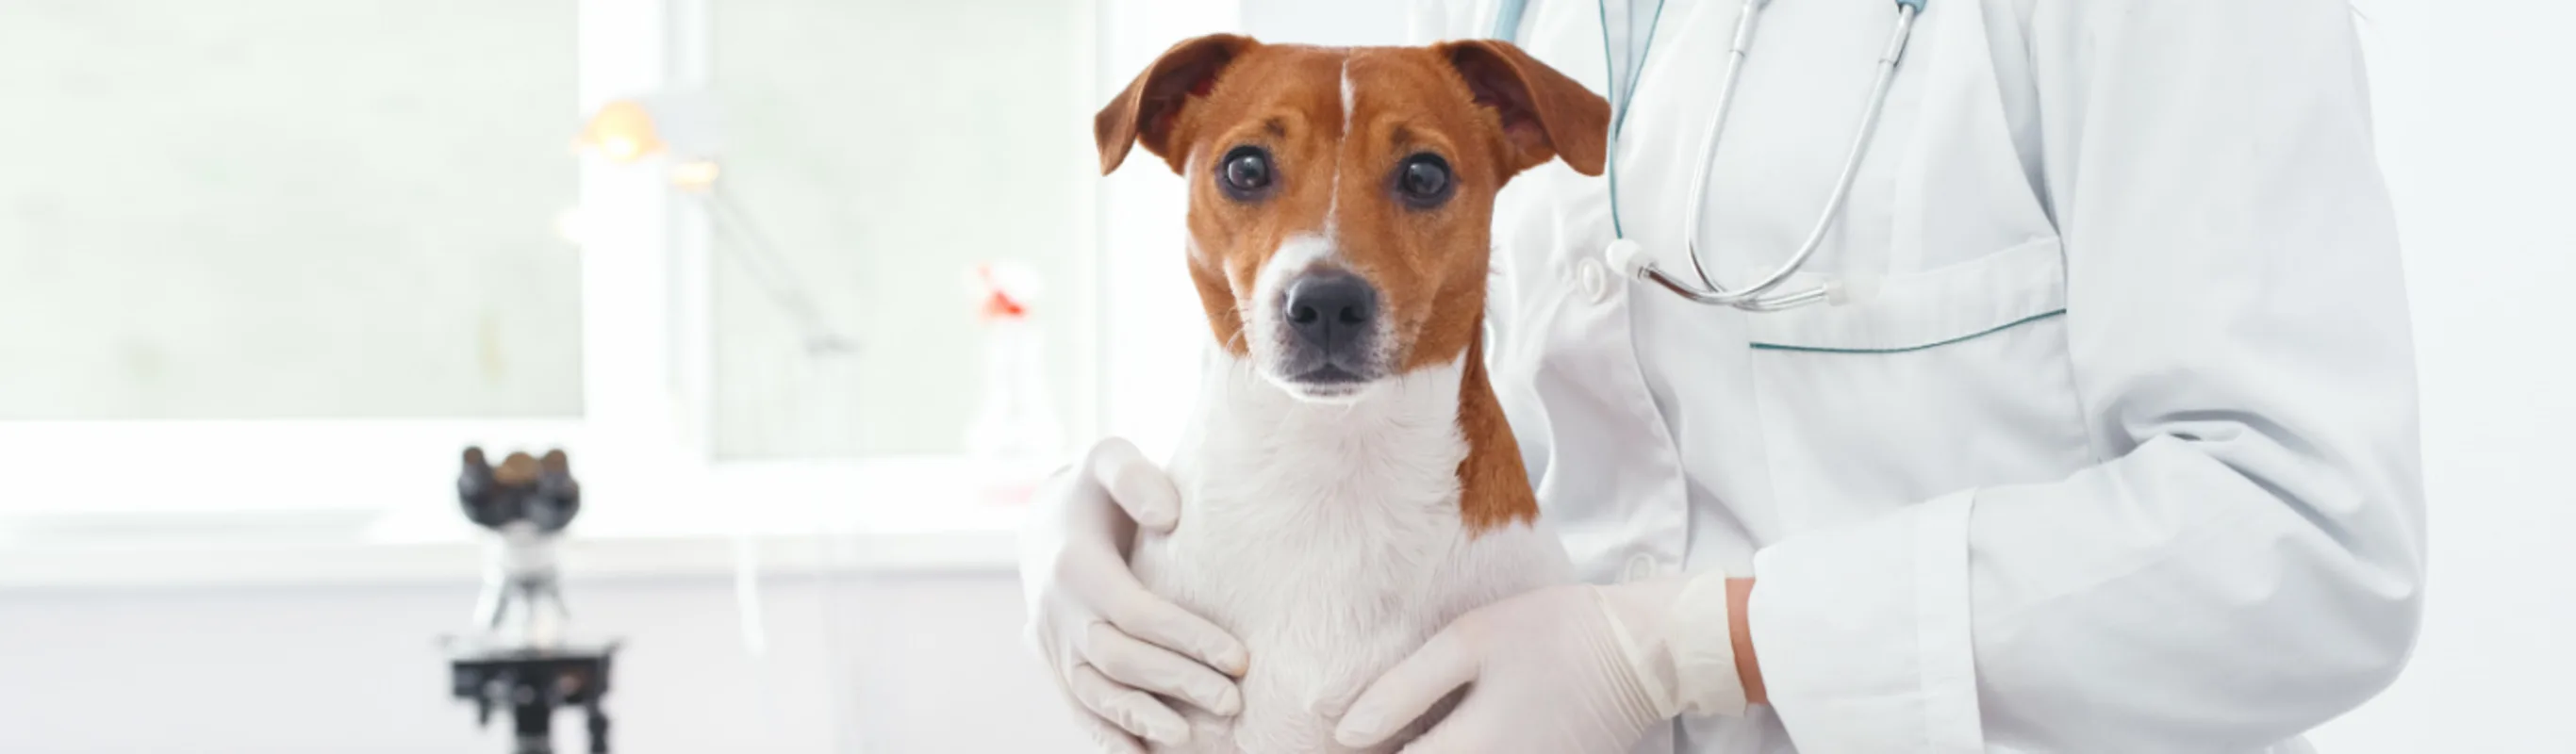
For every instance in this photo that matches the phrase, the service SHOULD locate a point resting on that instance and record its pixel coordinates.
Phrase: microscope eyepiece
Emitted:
(541, 492)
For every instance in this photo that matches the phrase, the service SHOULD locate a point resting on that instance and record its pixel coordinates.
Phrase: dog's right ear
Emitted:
(1543, 113)
(1149, 111)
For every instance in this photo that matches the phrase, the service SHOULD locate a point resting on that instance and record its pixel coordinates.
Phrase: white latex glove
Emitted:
(1118, 651)
(1565, 670)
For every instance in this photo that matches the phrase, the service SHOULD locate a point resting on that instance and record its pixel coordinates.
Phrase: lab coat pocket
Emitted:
(1932, 382)
(1931, 308)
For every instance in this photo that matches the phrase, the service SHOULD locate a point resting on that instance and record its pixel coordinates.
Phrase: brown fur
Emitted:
(1487, 108)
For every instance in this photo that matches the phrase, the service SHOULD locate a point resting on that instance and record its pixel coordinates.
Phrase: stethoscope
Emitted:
(1626, 255)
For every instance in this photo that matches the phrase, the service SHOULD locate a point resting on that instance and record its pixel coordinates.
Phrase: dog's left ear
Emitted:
(1149, 111)
(1544, 113)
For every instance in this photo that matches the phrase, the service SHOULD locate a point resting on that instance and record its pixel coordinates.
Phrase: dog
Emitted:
(1349, 483)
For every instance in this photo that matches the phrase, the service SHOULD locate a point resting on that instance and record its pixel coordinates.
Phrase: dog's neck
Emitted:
(1433, 437)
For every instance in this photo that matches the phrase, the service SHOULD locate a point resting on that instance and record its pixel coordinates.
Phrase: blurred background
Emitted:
(812, 290)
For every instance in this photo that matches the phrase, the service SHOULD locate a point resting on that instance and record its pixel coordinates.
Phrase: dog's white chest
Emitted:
(1328, 539)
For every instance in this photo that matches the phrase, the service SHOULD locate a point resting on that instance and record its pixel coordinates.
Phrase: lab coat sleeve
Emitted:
(2247, 560)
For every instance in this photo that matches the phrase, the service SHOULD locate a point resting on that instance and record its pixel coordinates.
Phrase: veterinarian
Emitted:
(2088, 425)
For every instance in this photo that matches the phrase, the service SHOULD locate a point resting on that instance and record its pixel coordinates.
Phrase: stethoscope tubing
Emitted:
(1753, 297)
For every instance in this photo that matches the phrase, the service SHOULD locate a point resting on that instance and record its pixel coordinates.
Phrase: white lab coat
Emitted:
(2114, 451)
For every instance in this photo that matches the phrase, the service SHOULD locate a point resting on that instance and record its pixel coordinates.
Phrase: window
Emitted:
(280, 209)
(290, 255)
(887, 148)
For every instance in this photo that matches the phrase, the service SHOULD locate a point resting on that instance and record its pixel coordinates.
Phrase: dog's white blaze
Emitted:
(1297, 254)
(1349, 98)
(1333, 205)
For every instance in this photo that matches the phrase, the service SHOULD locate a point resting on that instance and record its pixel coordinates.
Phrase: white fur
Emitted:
(1295, 255)
(1327, 538)
(1333, 205)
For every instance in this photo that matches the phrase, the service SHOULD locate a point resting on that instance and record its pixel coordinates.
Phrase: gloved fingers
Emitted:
(1133, 711)
(1062, 583)
(1410, 688)
(1073, 507)
(1150, 668)
(1138, 485)
(1489, 728)
(1097, 582)
(1451, 737)
(1069, 530)
(1469, 728)
(1145, 615)
(1109, 738)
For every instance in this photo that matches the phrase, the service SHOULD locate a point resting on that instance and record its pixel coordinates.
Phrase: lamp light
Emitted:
(677, 133)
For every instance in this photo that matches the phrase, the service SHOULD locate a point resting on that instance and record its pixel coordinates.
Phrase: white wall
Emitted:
(1155, 327)
(1326, 22)
(2474, 127)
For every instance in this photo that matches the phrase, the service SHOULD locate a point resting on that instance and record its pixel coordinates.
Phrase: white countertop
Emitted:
(917, 515)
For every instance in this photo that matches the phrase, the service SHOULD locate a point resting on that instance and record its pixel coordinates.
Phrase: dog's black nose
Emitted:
(1331, 310)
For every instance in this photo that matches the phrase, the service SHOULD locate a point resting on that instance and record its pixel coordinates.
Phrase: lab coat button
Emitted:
(1640, 567)
(1592, 277)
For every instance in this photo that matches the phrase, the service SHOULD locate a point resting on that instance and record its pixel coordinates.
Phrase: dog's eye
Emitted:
(1245, 172)
(1423, 180)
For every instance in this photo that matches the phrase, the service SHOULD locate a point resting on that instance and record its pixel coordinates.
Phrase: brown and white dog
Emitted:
(1349, 484)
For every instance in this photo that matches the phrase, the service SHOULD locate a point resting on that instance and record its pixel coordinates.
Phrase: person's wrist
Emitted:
(1704, 648)
(1678, 637)
(1748, 668)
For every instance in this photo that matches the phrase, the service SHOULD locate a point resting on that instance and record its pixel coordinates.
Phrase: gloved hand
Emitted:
(1564, 670)
(1111, 645)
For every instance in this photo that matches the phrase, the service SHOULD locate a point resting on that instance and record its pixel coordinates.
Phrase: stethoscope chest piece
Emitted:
(1627, 257)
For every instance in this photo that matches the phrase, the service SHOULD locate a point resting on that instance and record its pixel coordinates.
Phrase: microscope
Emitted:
(521, 659)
